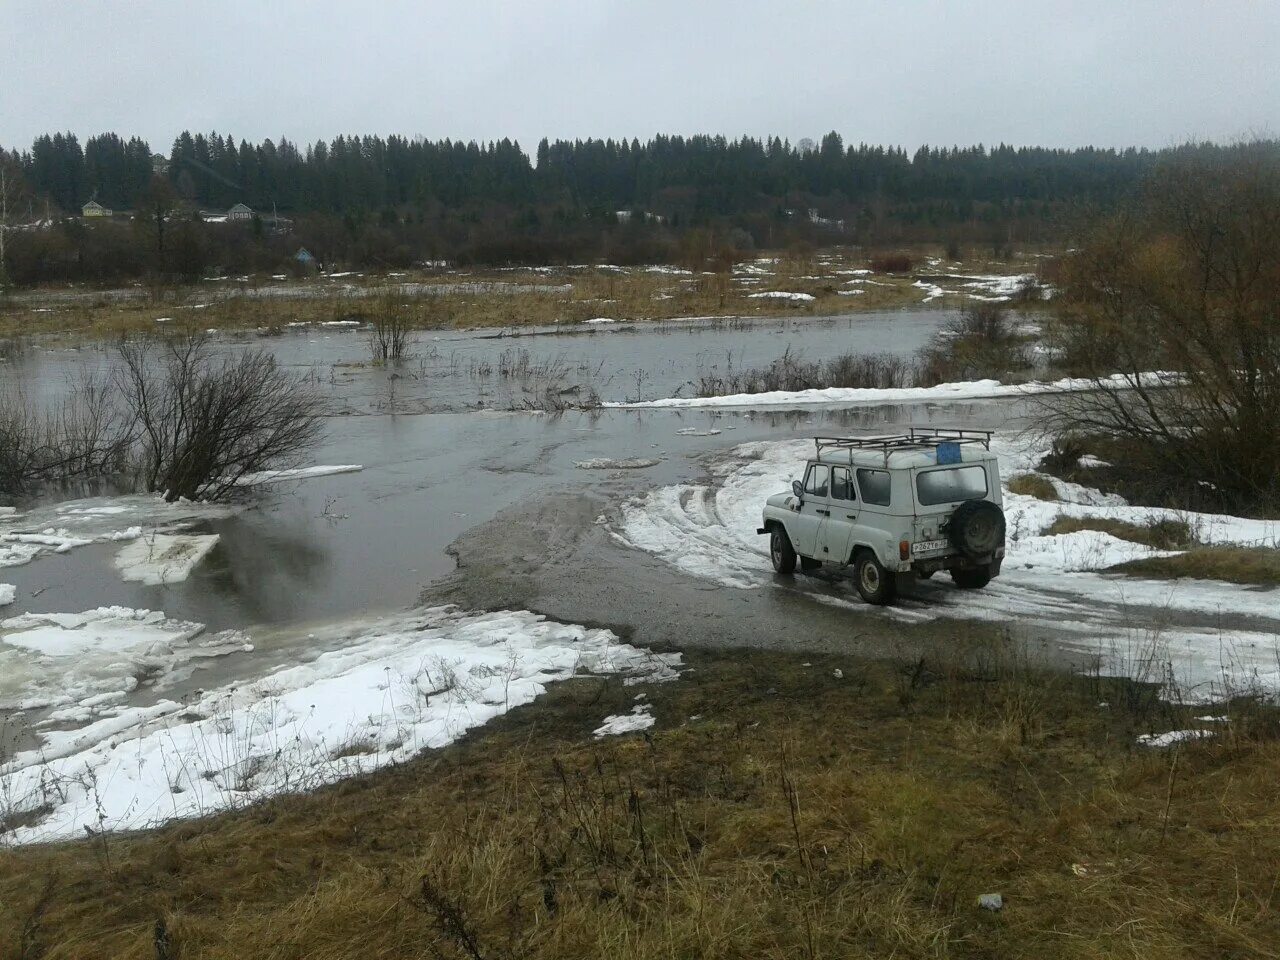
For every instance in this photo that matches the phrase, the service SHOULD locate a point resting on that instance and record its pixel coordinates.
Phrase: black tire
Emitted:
(977, 528)
(781, 552)
(971, 579)
(875, 584)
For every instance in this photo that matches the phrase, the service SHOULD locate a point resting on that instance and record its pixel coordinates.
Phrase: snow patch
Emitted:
(780, 295)
(380, 693)
(615, 724)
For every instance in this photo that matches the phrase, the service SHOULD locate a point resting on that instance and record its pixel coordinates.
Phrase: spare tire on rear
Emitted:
(977, 528)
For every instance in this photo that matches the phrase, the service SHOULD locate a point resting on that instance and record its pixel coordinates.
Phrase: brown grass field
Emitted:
(633, 293)
(775, 810)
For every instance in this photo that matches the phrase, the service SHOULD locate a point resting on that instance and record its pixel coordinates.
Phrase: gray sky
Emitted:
(905, 72)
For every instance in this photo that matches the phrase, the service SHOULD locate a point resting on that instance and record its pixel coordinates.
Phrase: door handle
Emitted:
(851, 516)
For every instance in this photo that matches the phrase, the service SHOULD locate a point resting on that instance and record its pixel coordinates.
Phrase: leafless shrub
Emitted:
(791, 372)
(83, 436)
(981, 342)
(389, 338)
(1186, 281)
(203, 425)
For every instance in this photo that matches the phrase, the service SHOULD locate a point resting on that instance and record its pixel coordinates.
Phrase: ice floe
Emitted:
(296, 473)
(163, 558)
(623, 463)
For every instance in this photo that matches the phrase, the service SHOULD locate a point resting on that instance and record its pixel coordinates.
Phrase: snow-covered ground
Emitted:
(1134, 626)
(942, 393)
(370, 693)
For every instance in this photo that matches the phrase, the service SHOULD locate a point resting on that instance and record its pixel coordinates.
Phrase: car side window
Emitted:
(815, 484)
(842, 484)
(875, 486)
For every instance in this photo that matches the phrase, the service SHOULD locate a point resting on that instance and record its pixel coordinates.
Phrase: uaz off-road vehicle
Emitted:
(894, 508)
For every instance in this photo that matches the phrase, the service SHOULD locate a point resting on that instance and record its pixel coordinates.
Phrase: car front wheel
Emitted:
(781, 552)
(875, 583)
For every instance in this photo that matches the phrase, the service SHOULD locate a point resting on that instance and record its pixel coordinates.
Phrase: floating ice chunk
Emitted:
(163, 558)
(297, 473)
(624, 463)
(7, 593)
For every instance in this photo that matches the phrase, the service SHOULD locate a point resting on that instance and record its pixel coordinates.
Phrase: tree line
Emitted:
(371, 200)
(697, 176)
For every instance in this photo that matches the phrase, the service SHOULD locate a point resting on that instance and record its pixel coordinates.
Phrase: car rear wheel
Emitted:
(875, 584)
(971, 579)
(781, 552)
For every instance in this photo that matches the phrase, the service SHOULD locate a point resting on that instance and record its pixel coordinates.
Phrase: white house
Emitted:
(94, 209)
(240, 212)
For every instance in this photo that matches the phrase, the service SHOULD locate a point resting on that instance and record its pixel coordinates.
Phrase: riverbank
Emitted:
(779, 805)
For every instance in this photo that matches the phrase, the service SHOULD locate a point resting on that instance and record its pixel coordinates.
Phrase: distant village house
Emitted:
(94, 209)
(240, 212)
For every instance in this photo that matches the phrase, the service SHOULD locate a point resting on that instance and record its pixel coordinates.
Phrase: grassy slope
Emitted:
(775, 811)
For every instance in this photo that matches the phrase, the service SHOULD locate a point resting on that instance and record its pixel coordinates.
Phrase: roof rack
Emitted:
(917, 438)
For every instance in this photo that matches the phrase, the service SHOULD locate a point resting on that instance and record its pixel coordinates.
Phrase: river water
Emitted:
(440, 454)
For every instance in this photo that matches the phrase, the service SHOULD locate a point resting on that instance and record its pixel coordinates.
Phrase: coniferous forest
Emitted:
(373, 201)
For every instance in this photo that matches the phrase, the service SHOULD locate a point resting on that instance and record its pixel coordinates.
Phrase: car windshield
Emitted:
(948, 486)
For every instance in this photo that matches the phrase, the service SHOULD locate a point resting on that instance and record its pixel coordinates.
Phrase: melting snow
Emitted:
(780, 295)
(380, 693)
(638, 719)
(1049, 581)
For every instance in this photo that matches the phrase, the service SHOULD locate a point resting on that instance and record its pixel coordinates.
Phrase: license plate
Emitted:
(929, 546)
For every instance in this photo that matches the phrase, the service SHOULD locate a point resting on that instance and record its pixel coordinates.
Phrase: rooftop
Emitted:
(919, 447)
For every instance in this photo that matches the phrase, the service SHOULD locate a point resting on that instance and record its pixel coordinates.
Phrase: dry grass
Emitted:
(1033, 485)
(632, 293)
(775, 811)
(1248, 565)
(1165, 534)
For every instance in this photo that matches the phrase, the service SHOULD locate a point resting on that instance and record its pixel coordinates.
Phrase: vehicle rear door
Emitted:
(837, 526)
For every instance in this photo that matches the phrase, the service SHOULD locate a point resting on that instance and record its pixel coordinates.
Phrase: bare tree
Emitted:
(85, 436)
(1188, 283)
(204, 424)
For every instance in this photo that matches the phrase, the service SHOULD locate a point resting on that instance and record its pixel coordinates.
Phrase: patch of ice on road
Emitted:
(296, 473)
(380, 693)
(163, 558)
(943, 392)
(7, 593)
(780, 295)
(1172, 737)
(640, 718)
(624, 463)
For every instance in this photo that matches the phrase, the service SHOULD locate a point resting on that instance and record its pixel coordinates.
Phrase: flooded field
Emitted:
(435, 484)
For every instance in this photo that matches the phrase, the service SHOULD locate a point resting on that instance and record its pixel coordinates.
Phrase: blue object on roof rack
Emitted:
(948, 452)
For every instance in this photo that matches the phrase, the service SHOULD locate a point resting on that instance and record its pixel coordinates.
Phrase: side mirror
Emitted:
(797, 488)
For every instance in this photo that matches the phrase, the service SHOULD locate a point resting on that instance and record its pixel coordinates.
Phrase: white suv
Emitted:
(894, 508)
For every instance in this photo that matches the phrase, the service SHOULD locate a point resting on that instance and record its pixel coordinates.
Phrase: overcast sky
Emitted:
(904, 72)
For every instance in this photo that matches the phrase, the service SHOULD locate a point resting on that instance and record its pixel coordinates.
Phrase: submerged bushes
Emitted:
(1187, 281)
(173, 419)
